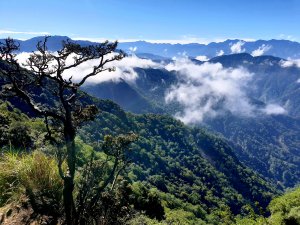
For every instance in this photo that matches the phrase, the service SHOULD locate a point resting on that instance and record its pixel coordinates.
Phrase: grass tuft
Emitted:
(32, 175)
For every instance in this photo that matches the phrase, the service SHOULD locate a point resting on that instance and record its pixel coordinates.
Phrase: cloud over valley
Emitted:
(208, 90)
(123, 69)
(203, 90)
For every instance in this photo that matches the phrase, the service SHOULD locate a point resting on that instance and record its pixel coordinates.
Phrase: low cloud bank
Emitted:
(124, 69)
(203, 91)
(290, 63)
(208, 90)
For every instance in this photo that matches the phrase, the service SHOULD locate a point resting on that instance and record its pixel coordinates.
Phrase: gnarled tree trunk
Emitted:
(68, 200)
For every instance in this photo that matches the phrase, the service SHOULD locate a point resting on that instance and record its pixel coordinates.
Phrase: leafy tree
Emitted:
(90, 192)
(65, 111)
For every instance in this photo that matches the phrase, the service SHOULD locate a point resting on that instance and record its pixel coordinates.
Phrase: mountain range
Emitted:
(279, 48)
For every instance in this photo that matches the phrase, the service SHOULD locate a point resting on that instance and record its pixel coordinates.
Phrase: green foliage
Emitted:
(17, 130)
(147, 201)
(268, 145)
(286, 209)
(172, 217)
(143, 220)
(19, 135)
(114, 206)
(251, 221)
(180, 216)
(192, 170)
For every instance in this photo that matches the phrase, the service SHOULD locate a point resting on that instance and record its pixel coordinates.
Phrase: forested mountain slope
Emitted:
(191, 163)
(192, 169)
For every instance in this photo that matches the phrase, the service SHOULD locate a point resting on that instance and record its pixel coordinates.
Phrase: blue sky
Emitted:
(168, 20)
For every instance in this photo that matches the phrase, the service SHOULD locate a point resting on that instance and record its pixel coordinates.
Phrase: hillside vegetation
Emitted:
(189, 170)
(70, 158)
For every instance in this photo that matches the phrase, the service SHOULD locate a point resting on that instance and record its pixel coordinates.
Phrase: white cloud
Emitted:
(2, 32)
(124, 69)
(274, 109)
(208, 90)
(202, 58)
(261, 50)
(237, 47)
(220, 53)
(133, 49)
(287, 37)
(286, 63)
(298, 81)
(22, 57)
(290, 62)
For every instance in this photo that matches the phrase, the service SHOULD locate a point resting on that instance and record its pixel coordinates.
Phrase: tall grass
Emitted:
(10, 188)
(34, 176)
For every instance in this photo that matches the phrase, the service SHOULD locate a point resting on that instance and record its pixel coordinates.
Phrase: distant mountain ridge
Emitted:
(279, 48)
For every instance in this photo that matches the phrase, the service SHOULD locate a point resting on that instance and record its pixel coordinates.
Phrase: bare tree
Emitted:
(44, 73)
